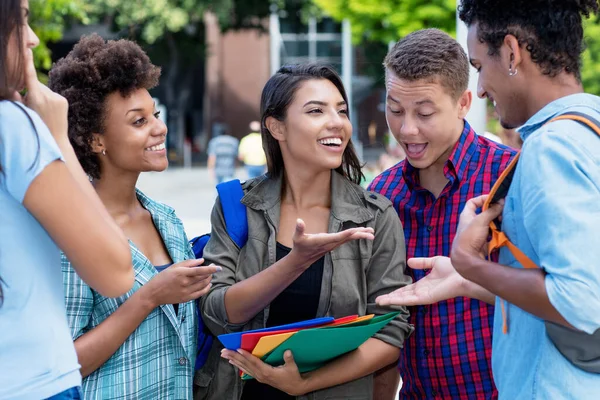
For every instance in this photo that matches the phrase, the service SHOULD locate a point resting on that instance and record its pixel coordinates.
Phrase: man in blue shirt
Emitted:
(528, 58)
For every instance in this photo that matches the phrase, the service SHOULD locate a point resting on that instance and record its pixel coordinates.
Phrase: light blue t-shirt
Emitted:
(37, 356)
(552, 213)
(225, 149)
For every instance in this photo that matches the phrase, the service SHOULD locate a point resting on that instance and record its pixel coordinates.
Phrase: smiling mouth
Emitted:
(331, 142)
(158, 147)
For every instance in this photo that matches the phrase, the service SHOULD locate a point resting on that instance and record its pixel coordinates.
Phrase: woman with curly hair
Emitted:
(546, 339)
(141, 345)
(46, 202)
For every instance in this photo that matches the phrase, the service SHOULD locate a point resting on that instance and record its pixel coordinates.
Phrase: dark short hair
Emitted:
(433, 55)
(278, 94)
(93, 70)
(551, 30)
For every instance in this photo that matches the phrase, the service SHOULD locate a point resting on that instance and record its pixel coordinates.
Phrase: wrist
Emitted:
(147, 297)
(296, 262)
(306, 385)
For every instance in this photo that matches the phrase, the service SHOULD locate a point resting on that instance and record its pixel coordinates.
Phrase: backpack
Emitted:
(580, 348)
(236, 221)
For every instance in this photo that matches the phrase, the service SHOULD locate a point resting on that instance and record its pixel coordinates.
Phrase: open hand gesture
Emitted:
(308, 248)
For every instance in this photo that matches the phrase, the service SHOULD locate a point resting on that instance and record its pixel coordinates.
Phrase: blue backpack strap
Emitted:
(234, 212)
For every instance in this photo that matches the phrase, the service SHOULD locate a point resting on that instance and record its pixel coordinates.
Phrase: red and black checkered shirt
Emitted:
(449, 354)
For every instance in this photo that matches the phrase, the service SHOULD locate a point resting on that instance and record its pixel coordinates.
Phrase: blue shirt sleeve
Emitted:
(561, 202)
(26, 148)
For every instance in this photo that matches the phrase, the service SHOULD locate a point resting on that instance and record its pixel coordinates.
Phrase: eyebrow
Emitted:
(419, 103)
(139, 109)
(392, 99)
(321, 103)
(426, 101)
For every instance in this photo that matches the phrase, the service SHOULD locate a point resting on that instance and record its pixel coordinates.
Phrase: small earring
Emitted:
(103, 152)
(512, 72)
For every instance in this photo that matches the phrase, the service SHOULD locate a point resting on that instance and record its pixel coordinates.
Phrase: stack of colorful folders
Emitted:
(313, 343)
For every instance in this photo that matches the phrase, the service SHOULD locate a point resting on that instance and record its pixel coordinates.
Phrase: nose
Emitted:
(481, 93)
(408, 127)
(336, 121)
(160, 129)
(32, 39)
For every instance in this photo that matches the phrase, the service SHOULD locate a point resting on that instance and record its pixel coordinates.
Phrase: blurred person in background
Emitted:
(251, 152)
(222, 157)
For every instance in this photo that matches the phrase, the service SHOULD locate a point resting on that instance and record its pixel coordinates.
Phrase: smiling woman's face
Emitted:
(134, 137)
(316, 129)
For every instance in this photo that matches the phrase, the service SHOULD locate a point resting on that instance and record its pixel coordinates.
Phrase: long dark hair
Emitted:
(277, 96)
(11, 21)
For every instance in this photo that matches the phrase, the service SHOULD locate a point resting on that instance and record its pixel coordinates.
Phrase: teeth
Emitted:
(157, 147)
(334, 141)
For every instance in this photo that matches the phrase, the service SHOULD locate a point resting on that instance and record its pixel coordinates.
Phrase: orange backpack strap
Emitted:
(499, 191)
(583, 119)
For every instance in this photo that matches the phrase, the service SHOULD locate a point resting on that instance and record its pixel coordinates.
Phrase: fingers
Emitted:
(31, 80)
(405, 296)
(16, 96)
(350, 234)
(203, 271)
(492, 213)
(476, 202)
(421, 262)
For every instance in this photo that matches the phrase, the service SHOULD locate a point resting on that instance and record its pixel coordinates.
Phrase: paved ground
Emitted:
(190, 192)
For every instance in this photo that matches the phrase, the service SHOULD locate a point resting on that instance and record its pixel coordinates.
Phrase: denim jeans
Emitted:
(70, 394)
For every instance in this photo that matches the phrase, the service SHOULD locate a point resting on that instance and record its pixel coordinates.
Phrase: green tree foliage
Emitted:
(590, 73)
(386, 21)
(49, 19)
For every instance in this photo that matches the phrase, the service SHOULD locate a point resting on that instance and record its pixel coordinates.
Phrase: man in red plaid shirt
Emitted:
(447, 163)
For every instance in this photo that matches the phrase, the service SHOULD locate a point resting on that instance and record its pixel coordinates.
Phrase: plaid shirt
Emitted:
(448, 356)
(157, 360)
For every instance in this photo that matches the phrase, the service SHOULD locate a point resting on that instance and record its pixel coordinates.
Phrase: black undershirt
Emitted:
(298, 302)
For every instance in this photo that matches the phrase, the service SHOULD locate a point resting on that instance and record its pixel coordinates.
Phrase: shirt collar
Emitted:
(555, 108)
(456, 165)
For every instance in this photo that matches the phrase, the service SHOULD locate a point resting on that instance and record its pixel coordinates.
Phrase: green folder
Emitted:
(314, 347)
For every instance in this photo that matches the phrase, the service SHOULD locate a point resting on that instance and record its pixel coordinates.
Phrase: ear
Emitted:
(276, 128)
(464, 103)
(97, 143)
(515, 56)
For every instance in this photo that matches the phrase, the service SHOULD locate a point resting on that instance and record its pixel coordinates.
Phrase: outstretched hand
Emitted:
(308, 248)
(442, 283)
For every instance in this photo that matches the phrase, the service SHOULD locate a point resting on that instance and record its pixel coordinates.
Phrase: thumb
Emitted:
(288, 358)
(421, 262)
(300, 227)
(491, 213)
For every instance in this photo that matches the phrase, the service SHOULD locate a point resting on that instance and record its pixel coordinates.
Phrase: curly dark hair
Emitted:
(430, 54)
(551, 30)
(94, 69)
